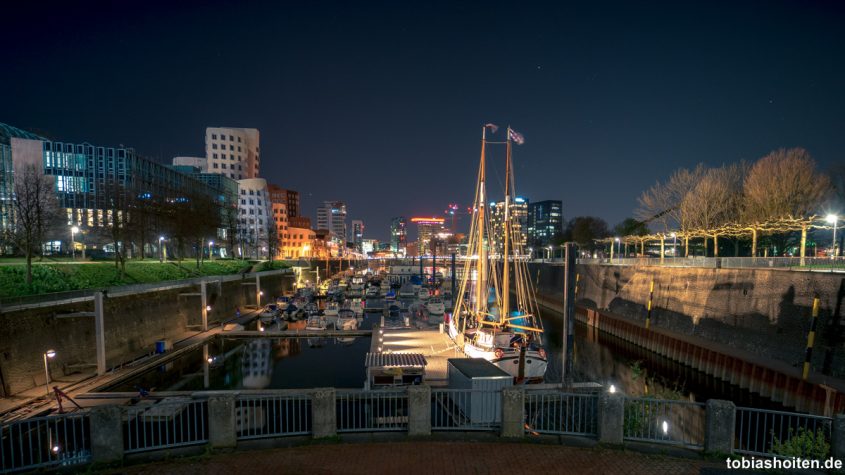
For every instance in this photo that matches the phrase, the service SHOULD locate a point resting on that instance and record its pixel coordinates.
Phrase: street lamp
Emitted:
(674, 245)
(210, 250)
(618, 246)
(48, 355)
(550, 252)
(833, 219)
(160, 251)
(73, 231)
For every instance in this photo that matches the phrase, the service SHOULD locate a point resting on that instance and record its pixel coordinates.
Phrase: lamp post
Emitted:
(618, 246)
(48, 355)
(73, 231)
(160, 250)
(674, 245)
(211, 250)
(833, 219)
(550, 252)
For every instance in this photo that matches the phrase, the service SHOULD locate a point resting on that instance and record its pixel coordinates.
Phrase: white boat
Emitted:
(372, 291)
(435, 306)
(346, 320)
(331, 309)
(269, 313)
(357, 306)
(423, 294)
(407, 290)
(488, 324)
(316, 323)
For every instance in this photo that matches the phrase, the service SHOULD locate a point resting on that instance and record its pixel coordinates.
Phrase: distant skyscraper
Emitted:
(358, 234)
(232, 152)
(427, 228)
(332, 216)
(519, 214)
(545, 220)
(398, 234)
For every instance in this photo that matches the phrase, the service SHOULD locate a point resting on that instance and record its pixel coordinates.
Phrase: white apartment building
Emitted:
(232, 152)
(254, 217)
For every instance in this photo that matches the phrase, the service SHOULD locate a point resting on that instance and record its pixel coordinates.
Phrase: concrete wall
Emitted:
(132, 323)
(763, 311)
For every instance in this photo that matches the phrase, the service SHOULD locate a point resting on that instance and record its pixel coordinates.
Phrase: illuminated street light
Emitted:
(674, 245)
(48, 355)
(73, 231)
(160, 250)
(618, 246)
(211, 250)
(833, 219)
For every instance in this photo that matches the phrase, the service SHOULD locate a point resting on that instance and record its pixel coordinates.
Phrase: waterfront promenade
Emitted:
(440, 457)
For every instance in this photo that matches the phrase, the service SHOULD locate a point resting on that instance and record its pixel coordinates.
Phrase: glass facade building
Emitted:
(545, 220)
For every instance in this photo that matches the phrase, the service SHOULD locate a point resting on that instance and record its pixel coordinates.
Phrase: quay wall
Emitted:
(760, 311)
(133, 323)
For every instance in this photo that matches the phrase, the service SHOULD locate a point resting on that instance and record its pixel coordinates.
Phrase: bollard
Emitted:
(419, 410)
(650, 299)
(323, 416)
(222, 432)
(611, 418)
(720, 421)
(811, 338)
(106, 434)
(513, 416)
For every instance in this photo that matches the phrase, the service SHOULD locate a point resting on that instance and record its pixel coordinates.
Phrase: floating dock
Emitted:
(437, 348)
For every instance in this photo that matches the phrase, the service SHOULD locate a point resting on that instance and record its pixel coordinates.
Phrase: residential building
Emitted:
(427, 229)
(289, 197)
(545, 221)
(233, 152)
(519, 218)
(357, 235)
(299, 243)
(299, 221)
(332, 216)
(255, 217)
(398, 234)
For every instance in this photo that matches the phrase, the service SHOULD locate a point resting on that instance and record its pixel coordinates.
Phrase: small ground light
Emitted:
(55, 449)
(665, 427)
(210, 359)
(208, 308)
(260, 292)
(612, 389)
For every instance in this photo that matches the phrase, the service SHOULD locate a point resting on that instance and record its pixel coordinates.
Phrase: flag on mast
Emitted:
(493, 127)
(516, 136)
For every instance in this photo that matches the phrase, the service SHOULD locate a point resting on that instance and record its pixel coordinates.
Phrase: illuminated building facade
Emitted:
(427, 228)
(519, 220)
(545, 221)
(398, 235)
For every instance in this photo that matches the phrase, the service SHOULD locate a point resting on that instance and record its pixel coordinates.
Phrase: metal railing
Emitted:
(166, 424)
(665, 421)
(791, 263)
(770, 433)
(40, 442)
(551, 412)
(263, 416)
(371, 411)
(465, 410)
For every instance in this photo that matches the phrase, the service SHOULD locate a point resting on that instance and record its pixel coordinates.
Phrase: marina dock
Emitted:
(436, 347)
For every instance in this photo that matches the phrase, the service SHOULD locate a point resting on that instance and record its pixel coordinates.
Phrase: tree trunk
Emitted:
(754, 242)
(736, 247)
(686, 246)
(642, 248)
(803, 242)
(715, 245)
(662, 250)
(29, 268)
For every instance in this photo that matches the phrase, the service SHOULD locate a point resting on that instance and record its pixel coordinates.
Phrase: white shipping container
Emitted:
(485, 381)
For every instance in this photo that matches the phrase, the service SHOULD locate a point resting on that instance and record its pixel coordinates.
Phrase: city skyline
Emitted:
(597, 97)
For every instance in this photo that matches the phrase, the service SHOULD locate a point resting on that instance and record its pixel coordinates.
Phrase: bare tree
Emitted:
(273, 240)
(661, 204)
(783, 185)
(119, 202)
(35, 208)
(714, 201)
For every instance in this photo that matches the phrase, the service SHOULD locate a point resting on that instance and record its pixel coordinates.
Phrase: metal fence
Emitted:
(272, 416)
(773, 433)
(166, 424)
(791, 263)
(40, 442)
(550, 412)
(465, 410)
(665, 421)
(371, 411)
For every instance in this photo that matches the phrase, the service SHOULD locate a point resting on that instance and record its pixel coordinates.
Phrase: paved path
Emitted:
(441, 458)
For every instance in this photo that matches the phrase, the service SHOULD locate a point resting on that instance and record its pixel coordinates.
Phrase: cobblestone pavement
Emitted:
(441, 458)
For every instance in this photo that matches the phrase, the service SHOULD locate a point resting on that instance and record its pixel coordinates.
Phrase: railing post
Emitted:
(837, 439)
(222, 430)
(106, 424)
(323, 416)
(611, 418)
(419, 410)
(513, 412)
(720, 421)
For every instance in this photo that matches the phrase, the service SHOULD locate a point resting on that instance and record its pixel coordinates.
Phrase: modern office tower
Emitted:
(519, 218)
(398, 234)
(427, 228)
(332, 216)
(232, 152)
(357, 234)
(255, 218)
(545, 220)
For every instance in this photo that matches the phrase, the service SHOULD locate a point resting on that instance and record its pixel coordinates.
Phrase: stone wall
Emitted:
(767, 312)
(133, 323)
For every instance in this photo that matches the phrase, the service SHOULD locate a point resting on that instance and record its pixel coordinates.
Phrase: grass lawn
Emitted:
(58, 277)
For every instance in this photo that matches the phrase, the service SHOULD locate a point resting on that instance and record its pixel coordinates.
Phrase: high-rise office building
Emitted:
(427, 228)
(232, 152)
(332, 216)
(545, 220)
(519, 219)
(398, 234)
(358, 234)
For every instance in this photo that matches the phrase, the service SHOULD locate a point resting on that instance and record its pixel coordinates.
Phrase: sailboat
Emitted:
(487, 322)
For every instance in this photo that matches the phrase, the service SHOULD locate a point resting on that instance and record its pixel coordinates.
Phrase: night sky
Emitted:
(381, 104)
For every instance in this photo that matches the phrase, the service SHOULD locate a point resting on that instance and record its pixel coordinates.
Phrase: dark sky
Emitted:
(381, 104)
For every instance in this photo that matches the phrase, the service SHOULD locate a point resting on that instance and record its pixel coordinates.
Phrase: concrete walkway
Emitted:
(435, 457)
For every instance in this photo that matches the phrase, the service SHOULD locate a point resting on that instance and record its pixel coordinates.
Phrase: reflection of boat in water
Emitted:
(487, 324)
(346, 340)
